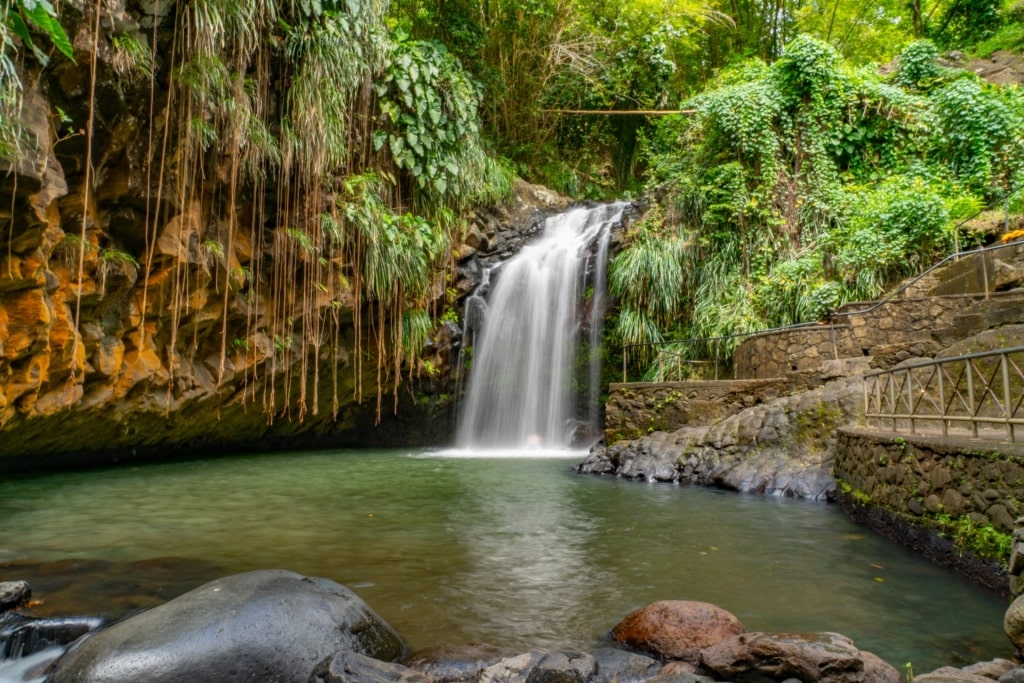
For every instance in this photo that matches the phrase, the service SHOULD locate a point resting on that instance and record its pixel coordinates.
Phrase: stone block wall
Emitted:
(637, 409)
(897, 330)
(967, 491)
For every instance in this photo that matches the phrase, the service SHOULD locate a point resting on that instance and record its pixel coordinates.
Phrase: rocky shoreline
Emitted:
(276, 625)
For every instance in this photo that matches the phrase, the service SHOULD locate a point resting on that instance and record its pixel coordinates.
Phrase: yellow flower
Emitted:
(1011, 236)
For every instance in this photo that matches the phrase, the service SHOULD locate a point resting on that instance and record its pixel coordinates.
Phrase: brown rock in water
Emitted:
(824, 657)
(677, 629)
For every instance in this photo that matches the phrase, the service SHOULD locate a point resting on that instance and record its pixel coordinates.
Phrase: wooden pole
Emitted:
(618, 112)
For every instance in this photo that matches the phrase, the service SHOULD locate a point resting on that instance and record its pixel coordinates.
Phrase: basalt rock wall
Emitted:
(943, 496)
(889, 334)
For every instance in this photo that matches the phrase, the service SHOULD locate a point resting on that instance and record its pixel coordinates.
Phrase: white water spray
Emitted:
(521, 386)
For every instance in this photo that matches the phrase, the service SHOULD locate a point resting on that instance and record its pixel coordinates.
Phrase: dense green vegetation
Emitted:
(801, 185)
(801, 177)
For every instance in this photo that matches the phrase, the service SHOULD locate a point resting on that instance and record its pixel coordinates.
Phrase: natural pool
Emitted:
(511, 551)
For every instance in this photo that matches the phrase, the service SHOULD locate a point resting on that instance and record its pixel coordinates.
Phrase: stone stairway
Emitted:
(920, 319)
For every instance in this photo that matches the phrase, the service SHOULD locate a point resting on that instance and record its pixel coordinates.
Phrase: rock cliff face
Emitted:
(138, 320)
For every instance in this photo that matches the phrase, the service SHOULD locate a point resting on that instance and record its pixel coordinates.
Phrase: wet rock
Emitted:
(676, 629)
(14, 594)
(449, 663)
(261, 625)
(681, 678)
(1014, 675)
(825, 657)
(351, 667)
(949, 674)
(23, 636)
(541, 666)
(785, 446)
(992, 669)
(625, 667)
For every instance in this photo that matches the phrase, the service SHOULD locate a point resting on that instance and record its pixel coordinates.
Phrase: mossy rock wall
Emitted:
(955, 500)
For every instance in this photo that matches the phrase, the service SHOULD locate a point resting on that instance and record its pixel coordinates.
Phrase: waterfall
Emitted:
(524, 381)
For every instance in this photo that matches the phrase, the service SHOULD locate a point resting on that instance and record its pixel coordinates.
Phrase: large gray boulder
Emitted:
(270, 625)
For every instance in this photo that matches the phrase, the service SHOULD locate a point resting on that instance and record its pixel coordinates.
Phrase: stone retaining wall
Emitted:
(889, 334)
(637, 409)
(966, 490)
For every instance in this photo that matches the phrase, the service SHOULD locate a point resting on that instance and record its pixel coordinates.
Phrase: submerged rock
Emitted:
(677, 629)
(258, 626)
(825, 657)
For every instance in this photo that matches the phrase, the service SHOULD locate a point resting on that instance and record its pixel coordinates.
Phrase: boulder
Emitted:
(1014, 675)
(991, 669)
(624, 667)
(950, 674)
(346, 666)
(825, 657)
(1013, 623)
(14, 594)
(676, 629)
(25, 636)
(262, 625)
(542, 666)
(450, 663)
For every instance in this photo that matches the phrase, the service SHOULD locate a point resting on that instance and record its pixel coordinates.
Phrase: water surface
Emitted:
(511, 551)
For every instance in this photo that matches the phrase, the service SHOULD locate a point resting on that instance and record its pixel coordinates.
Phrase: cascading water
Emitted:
(524, 380)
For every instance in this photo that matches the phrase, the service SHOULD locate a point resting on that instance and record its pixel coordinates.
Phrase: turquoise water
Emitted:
(518, 552)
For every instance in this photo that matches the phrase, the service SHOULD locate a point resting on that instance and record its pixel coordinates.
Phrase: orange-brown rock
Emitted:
(108, 357)
(28, 320)
(677, 629)
(59, 399)
(180, 237)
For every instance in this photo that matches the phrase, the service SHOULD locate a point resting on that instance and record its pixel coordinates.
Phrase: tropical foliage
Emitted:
(798, 186)
(361, 131)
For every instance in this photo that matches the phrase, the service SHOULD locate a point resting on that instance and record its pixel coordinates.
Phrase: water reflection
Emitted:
(516, 552)
(530, 542)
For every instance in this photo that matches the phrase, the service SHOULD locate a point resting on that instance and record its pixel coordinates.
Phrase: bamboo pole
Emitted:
(620, 112)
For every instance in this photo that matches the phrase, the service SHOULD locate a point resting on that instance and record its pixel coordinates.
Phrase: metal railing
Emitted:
(980, 393)
(869, 307)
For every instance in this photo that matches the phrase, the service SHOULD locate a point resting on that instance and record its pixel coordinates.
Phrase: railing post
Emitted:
(716, 359)
(970, 397)
(624, 348)
(910, 400)
(892, 399)
(942, 400)
(661, 366)
(866, 406)
(984, 272)
(1005, 363)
